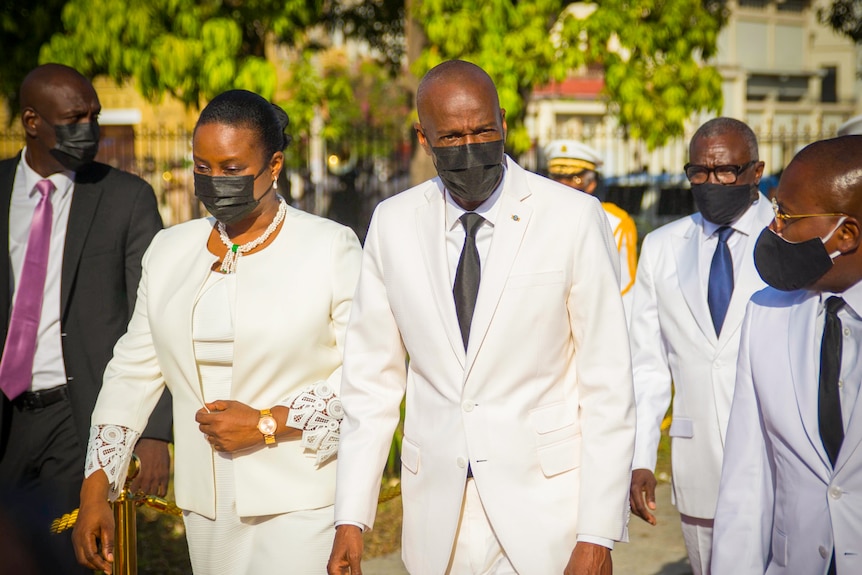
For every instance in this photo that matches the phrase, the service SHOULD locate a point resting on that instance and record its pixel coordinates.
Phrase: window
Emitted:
(829, 85)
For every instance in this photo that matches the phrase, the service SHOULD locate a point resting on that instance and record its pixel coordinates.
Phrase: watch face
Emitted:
(267, 425)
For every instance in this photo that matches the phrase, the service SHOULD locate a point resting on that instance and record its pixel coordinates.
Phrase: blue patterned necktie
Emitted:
(720, 286)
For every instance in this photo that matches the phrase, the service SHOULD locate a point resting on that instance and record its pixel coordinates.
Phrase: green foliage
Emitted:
(24, 26)
(845, 17)
(651, 51)
(189, 49)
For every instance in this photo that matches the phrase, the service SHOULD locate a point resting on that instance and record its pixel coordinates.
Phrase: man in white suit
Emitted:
(519, 423)
(791, 488)
(694, 278)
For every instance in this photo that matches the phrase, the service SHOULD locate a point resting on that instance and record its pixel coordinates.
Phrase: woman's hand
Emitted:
(230, 426)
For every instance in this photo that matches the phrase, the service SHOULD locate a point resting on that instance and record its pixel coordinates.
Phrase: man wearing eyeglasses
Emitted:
(694, 279)
(790, 499)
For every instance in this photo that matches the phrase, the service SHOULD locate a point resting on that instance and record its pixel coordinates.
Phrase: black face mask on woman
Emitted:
(228, 198)
(470, 172)
(789, 266)
(77, 144)
(720, 204)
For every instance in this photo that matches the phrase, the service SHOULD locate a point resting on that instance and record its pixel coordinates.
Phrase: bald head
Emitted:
(454, 74)
(40, 86)
(59, 112)
(722, 127)
(823, 186)
(832, 170)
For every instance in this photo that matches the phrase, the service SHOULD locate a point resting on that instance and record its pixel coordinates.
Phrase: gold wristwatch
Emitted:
(267, 426)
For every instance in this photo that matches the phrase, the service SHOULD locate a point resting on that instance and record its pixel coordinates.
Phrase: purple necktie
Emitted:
(16, 366)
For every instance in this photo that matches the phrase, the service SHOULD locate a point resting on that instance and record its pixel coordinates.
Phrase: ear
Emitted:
(276, 164)
(848, 235)
(505, 127)
(29, 120)
(423, 141)
(758, 172)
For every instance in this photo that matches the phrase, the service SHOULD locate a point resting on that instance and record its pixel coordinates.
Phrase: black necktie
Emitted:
(720, 286)
(828, 399)
(467, 276)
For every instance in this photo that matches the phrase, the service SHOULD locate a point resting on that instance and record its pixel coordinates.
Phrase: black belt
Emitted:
(30, 400)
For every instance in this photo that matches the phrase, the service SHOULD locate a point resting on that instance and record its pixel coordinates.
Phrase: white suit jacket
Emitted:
(782, 508)
(293, 302)
(673, 340)
(541, 403)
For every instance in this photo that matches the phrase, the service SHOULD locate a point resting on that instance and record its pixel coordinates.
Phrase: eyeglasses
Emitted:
(780, 216)
(697, 174)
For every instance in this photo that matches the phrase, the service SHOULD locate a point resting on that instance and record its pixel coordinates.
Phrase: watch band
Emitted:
(267, 426)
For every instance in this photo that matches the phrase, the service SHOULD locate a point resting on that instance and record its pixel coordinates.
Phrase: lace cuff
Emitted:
(318, 413)
(110, 449)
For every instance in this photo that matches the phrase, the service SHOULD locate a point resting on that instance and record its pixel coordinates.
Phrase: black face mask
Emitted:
(789, 266)
(228, 198)
(77, 144)
(723, 205)
(470, 172)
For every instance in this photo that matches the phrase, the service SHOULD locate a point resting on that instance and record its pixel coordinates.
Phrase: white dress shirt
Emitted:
(746, 225)
(48, 367)
(850, 376)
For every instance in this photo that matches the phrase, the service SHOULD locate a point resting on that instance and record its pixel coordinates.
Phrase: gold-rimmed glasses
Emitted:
(780, 216)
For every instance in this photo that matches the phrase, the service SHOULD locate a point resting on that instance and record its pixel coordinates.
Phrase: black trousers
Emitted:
(41, 471)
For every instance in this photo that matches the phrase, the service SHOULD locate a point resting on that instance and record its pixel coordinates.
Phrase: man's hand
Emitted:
(230, 426)
(155, 467)
(95, 525)
(642, 495)
(588, 559)
(346, 551)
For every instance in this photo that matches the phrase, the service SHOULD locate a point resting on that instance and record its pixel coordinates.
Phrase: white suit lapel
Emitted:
(804, 368)
(431, 230)
(513, 218)
(747, 283)
(851, 440)
(686, 250)
(748, 280)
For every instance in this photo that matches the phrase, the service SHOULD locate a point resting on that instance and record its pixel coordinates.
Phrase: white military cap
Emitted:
(568, 157)
(851, 127)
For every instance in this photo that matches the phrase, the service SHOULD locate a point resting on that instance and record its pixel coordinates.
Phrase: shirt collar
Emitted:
(744, 224)
(488, 210)
(62, 181)
(852, 297)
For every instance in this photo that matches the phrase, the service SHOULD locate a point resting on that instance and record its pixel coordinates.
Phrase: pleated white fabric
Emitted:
(297, 543)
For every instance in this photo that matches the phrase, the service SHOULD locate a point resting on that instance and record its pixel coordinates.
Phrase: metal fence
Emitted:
(347, 180)
(355, 174)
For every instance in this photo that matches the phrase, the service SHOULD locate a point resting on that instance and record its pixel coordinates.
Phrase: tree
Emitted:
(189, 49)
(196, 49)
(845, 17)
(652, 53)
(24, 26)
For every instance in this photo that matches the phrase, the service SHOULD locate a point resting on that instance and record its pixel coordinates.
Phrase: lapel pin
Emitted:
(515, 218)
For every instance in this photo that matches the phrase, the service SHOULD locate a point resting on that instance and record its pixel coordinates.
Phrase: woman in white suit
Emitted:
(242, 316)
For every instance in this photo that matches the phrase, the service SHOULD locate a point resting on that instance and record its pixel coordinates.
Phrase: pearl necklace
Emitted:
(234, 251)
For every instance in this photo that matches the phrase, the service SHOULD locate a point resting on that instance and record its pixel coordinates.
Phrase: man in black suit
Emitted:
(102, 222)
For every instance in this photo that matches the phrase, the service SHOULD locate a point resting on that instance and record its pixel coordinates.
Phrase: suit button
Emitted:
(823, 551)
(467, 405)
(835, 492)
(462, 463)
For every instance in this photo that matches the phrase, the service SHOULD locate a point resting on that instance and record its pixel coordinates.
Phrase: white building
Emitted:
(792, 79)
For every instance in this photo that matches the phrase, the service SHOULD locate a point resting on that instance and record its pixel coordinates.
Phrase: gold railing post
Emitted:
(125, 526)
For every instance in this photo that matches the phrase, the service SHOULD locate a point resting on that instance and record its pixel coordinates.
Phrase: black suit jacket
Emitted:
(112, 219)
